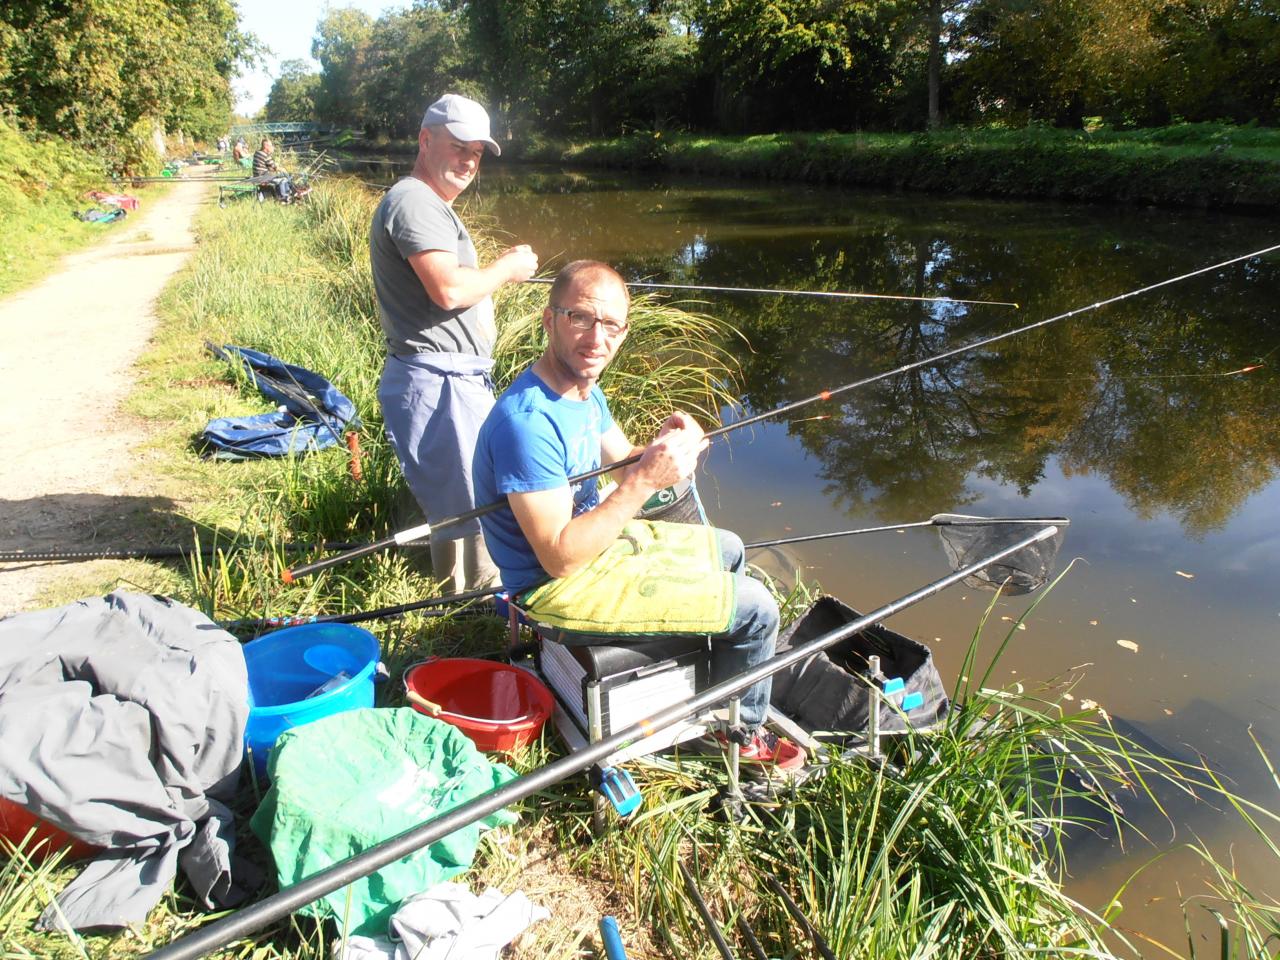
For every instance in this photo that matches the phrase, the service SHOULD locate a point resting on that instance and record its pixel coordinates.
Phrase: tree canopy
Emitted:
(602, 67)
(93, 70)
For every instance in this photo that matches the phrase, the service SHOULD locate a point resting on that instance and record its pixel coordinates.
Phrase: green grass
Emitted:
(951, 851)
(1200, 165)
(42, 182)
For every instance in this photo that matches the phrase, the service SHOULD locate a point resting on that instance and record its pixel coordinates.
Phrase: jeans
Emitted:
(747, 643)
(751, 636)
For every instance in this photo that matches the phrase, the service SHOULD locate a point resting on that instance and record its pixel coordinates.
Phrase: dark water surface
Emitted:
(1128, 420)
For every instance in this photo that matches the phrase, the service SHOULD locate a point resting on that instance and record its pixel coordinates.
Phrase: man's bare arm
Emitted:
(564, 543)
(452, 286)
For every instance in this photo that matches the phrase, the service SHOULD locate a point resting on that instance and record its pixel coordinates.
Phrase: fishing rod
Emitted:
(704, 912)
(772, 291)
(249, 919)
(150, 553)
(824, 949)
(939, 520)
(424, 531)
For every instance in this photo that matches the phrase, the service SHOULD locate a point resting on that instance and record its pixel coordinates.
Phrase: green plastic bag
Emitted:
(344, 783)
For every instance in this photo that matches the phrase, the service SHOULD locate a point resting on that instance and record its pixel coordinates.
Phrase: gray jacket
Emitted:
(122, 722)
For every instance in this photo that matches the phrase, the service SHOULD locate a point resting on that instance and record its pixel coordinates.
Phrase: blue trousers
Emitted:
(748, 642)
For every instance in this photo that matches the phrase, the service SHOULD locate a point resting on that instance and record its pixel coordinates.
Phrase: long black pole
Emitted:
(246, 921)
(794, 909)
(713, 928)
(402, 608)
(424, 531)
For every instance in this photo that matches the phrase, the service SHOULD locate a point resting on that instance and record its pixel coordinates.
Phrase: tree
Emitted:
(340, 43)
(94, 69)
(412, 57)
(293, 94)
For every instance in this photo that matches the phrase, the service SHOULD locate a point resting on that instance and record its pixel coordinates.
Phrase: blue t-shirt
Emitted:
(534, 439)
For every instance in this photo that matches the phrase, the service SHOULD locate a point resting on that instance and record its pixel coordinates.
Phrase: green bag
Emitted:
(344, 783)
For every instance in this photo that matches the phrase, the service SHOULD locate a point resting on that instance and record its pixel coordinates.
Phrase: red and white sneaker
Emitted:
(767, 749)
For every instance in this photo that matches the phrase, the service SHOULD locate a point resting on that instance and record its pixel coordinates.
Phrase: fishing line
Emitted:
(833, 294)
(423, 532)
(1249, 368)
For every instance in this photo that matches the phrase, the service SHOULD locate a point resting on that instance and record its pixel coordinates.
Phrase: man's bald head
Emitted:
(587, 272)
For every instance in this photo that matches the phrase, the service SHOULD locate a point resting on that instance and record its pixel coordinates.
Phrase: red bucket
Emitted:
(16, 822)
(499, 707)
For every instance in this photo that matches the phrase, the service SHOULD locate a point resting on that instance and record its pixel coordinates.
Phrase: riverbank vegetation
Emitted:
(951, 851)
(42, 181)
(1199, 165)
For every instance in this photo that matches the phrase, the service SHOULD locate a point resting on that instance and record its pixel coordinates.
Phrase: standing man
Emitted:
(580, 563)
(435, 306)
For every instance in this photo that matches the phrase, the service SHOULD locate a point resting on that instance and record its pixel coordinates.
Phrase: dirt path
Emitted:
(68, 479)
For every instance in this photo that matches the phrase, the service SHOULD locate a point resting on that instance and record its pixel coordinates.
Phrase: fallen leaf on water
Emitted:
(1128, 645)
(1183, 573)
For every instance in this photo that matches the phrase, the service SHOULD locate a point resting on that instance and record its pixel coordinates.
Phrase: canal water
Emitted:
(1133, 420)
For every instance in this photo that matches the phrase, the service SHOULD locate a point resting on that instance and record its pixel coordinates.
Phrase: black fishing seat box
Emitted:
(605, 687)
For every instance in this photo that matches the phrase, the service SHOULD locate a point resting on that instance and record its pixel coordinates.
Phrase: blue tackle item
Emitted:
(616, 786)
(312, 415)
(611, 939)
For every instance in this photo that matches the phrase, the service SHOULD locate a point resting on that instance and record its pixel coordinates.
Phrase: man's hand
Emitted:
(673, 454)
(519, 263)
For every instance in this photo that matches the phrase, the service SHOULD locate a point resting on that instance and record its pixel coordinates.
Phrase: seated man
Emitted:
(615, 578)
(280, 186)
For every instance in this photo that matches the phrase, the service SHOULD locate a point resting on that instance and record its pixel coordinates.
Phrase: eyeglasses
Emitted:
(581, 320)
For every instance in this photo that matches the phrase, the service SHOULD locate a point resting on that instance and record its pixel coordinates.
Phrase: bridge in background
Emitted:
(286, 131)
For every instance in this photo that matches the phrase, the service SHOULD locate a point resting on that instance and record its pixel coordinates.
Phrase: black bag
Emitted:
(827, 692)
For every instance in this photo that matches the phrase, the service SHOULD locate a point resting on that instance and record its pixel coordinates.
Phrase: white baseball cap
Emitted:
(462, 117)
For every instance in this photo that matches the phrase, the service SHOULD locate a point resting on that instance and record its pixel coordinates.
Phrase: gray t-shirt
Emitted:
(410, 219)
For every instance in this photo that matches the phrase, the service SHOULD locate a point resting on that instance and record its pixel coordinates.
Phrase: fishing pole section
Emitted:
(776, 291)
(963, 538)
(422, 533)
(250, 919)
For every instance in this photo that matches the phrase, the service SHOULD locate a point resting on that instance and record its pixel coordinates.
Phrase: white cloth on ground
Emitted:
(449, 921)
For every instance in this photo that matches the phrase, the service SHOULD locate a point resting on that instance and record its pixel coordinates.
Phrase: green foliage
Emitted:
(293, 94)
(340, 42)
(41, 181)
(91, 71)
(1195, 166)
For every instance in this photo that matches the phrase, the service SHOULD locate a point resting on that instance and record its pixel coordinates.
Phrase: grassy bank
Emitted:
(948, 853)
(1197, 165)
(42, 181)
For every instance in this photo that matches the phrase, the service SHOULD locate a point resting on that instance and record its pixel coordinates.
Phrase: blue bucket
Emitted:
(301, 674)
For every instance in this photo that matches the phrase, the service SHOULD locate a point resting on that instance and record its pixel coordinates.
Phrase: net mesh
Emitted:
(968, 540)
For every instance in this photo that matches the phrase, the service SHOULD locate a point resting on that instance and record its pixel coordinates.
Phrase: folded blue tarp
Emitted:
(312, 416)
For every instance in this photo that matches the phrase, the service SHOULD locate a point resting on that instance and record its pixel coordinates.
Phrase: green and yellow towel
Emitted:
(656, 578)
